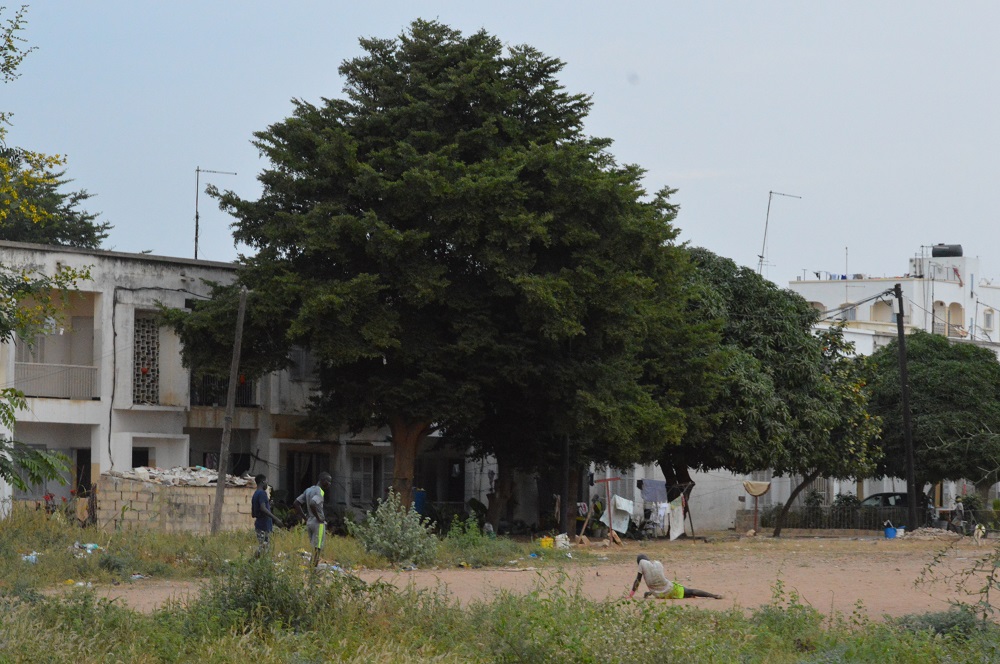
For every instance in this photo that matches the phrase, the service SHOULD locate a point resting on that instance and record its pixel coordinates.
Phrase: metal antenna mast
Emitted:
(767, 219)
(197, 194)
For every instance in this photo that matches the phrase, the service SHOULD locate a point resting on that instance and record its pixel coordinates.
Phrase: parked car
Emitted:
(886, 500)
(925, 511)
(893, 500)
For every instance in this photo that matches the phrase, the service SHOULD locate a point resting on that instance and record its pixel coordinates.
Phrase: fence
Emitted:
(830, 517)
(211, 391)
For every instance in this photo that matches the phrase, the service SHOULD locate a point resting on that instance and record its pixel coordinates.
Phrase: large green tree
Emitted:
(445, 233)
(955, 411)
(789, 399)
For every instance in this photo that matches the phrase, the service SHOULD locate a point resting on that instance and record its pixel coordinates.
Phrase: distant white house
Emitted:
(943, 292)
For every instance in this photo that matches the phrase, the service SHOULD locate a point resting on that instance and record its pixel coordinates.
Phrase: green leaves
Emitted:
(956, 417)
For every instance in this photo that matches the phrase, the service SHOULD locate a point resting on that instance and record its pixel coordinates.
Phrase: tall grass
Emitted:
(268, 612)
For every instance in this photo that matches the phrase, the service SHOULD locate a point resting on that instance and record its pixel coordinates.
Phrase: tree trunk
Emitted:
(678, 477)
(406, 437)
(503, 489)
(574, 492)
(779, 522)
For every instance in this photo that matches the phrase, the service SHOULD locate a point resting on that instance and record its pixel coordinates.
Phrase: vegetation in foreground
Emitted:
(268, 611)
(276, 610)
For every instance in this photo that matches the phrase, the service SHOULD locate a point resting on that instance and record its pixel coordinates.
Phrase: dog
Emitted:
(978, 534)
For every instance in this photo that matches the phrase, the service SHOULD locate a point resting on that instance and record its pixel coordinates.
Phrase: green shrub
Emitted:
(397, 533)
(255, 591)
(466, 543)
(957, 623)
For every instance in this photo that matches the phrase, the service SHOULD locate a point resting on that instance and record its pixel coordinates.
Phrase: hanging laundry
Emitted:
(676, 518)
(619, 514)
(654, 491)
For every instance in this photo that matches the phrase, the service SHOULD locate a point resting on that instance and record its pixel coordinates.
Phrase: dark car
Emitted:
(892, 500)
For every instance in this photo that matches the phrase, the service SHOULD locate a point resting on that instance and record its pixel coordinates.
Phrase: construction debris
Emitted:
(180, 476)
(932, 534)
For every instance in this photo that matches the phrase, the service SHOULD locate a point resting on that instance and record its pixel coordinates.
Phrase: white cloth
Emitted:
(619, 514)
(676, 518)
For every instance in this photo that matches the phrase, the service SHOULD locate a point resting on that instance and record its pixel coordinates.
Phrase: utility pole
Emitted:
(197, 194)
(227, 427)
(904, 386)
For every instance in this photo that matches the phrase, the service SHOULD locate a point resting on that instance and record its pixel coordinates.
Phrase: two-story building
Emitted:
(105, 386)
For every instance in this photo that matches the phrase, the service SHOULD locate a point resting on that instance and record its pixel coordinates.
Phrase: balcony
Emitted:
(56, 381)
(955, 331)
(211, 391)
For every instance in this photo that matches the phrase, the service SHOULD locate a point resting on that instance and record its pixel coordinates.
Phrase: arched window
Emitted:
(882, 312)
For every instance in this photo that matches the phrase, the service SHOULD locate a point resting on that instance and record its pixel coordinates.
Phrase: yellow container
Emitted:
(547, 542)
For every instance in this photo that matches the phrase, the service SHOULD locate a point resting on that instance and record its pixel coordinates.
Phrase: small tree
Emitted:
(953, 399)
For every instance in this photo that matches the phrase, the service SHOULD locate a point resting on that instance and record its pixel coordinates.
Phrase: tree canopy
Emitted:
(953, 401)
(790, 400)
(39, 209)
(446, 236)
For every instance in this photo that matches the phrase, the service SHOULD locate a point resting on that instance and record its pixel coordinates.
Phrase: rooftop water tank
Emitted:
(946, 250)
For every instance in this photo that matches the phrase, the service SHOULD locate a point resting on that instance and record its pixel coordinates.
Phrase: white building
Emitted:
(943, 292)
(106, 387)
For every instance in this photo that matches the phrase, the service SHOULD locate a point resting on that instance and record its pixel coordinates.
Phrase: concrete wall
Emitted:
(169, 509)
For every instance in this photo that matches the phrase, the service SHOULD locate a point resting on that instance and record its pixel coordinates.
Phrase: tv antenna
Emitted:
(197, 194)
(767, 219)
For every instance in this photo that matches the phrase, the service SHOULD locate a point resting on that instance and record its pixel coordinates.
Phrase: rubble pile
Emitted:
(180, 476)
(932, 534)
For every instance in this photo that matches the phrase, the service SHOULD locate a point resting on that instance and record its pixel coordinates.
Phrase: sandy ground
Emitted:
(828, 574)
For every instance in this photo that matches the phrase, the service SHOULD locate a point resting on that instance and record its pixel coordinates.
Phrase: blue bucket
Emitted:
(890, 533)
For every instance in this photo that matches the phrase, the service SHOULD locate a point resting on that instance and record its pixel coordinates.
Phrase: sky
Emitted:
(881, 117)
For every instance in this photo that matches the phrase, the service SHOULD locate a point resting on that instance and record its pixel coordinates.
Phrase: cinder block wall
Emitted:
(170, 509)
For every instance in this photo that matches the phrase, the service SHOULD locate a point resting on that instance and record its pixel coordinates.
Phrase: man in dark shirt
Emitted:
(264, 520)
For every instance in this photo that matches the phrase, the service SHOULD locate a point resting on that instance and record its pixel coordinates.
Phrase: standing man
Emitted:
(264, 520)
(659, 585)
(310, 506)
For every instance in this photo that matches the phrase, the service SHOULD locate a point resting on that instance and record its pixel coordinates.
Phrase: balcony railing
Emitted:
(56, 381)
(949, 330)
(211, 391)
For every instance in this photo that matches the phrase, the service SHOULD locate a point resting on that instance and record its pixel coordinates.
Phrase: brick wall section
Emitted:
(169, 509)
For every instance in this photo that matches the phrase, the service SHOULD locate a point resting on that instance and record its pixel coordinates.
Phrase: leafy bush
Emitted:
(397, 533)
(973, 504)
(957, 623)
(255, 591)
(846, 500)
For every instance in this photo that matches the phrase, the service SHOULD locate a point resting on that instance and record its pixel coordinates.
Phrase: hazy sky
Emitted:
(882, 116)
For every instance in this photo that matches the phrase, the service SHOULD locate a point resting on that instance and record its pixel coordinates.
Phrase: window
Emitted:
(988, 319)
(146, 360)
(371, 476)
(303, 366)
(848, 313)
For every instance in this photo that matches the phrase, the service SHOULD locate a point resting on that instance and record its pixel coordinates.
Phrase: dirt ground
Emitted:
(828, 574)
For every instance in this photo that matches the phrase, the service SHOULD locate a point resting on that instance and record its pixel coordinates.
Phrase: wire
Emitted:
(830, 313)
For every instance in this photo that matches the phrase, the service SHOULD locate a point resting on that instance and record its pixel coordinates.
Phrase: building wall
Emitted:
(129, 504)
